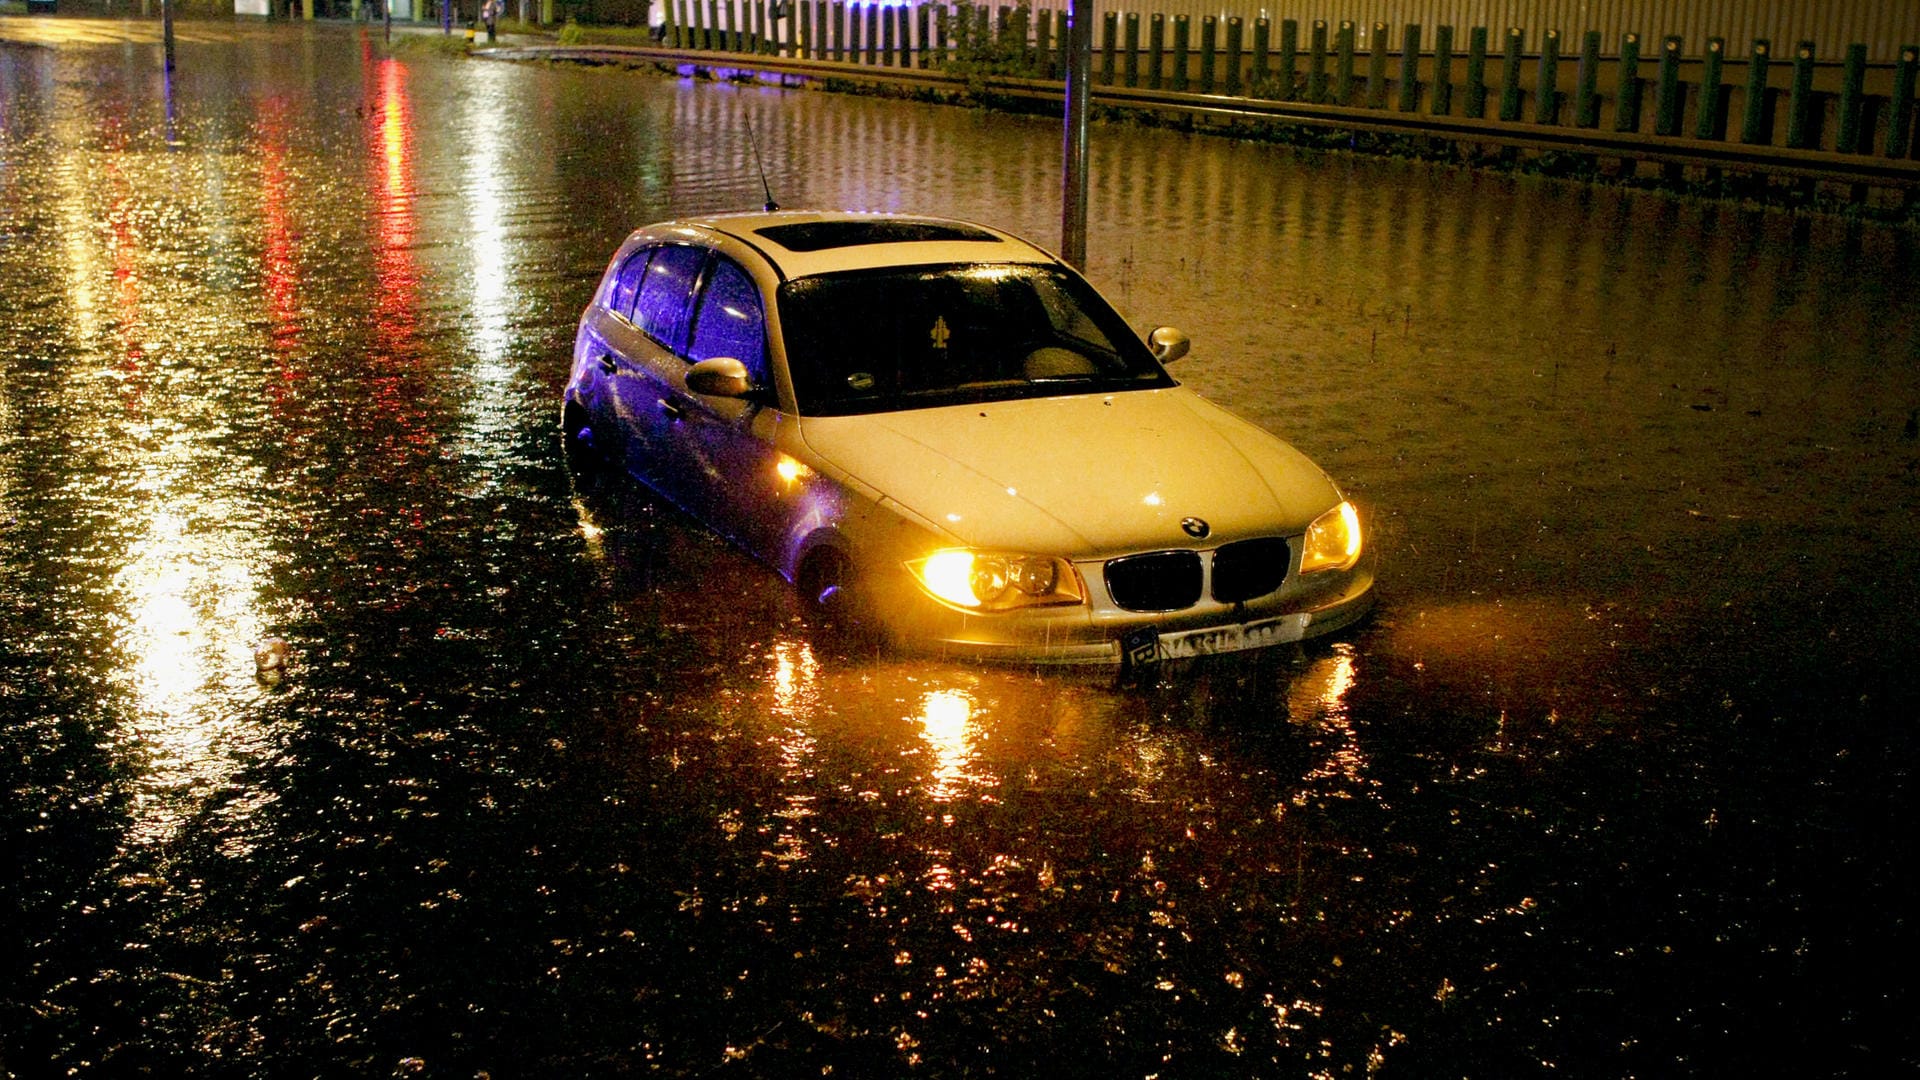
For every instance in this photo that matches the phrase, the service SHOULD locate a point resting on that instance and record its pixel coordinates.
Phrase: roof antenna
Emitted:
(771, 206)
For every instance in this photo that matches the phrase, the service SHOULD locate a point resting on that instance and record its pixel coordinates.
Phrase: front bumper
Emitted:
(1101, 634)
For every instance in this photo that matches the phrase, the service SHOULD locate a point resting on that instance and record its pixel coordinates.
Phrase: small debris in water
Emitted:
(270, 658)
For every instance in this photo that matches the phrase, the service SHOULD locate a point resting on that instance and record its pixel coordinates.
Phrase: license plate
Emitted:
(1143, 646)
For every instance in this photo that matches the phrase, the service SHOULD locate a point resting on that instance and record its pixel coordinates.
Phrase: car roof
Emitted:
(800, 243)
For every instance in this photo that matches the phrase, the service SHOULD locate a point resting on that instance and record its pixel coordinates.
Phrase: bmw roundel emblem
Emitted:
(1196, 527)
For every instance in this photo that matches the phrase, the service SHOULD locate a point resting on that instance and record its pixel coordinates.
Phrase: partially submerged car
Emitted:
(940, 431)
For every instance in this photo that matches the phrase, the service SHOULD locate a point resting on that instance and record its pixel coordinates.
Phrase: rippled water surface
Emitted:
(1617, 782)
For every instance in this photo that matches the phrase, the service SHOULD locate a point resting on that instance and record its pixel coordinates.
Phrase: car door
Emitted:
(725, 445)
(650, 370)
(604, 333)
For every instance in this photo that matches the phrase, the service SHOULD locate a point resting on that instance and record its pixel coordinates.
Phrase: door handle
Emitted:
(674, 412)
(606, 363)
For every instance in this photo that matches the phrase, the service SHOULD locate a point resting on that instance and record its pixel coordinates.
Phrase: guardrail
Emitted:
(1852, 123)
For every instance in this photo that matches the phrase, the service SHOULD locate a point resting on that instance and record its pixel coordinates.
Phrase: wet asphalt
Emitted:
(1616, 782)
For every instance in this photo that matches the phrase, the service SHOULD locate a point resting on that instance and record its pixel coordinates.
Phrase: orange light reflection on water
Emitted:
(796, 679)
(397, 397)
(395, 120)
(1318, 698)
(947, 724)
(391, 143)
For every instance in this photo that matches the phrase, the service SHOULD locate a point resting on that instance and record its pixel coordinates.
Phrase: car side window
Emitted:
(729, 322)
(626, 283)
(663, 307)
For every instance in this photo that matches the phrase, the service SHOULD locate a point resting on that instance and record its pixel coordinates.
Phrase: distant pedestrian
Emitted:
(489, 12)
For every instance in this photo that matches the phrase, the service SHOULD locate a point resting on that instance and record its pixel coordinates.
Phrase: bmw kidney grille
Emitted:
(1249, 569)
(1175, 580)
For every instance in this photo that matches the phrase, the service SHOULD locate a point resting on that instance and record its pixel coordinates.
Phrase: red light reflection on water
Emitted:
(279, 258)
(126, 271)
(390, 143)
(279, 268)
(396, 277)
(126, 245)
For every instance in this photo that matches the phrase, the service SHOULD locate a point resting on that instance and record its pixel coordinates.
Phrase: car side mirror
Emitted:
(720, 376)
(1168, 344)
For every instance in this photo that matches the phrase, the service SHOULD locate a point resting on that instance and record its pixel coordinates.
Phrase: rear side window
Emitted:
(663, 307)
(730, 322)
(627, 282)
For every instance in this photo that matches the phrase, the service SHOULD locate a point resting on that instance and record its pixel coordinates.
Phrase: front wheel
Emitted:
(825, 583)
(830, 593)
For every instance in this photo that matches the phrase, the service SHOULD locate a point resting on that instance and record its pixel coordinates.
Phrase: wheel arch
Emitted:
(824, 548)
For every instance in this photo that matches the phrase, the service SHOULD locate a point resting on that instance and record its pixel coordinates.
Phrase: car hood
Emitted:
(1085, 475)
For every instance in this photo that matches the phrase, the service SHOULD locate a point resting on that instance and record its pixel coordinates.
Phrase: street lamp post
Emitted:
(166, 34)
(1073, 198)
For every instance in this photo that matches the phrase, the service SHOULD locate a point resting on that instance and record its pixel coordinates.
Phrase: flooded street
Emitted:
(1618, 781)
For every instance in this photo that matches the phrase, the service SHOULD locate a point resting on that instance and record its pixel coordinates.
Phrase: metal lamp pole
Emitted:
(1073, 198)
(166, 27)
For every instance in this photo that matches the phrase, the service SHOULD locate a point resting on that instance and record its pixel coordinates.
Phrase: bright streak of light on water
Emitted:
(946, 722)
(191, 625)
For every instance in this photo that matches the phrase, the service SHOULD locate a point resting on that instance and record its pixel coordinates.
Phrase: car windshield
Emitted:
(915, 337)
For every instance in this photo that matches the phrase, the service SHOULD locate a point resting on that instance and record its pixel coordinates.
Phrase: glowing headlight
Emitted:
(1333, 540)
(996, 582)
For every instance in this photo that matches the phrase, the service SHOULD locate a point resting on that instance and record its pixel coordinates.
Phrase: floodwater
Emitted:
(1619, 780)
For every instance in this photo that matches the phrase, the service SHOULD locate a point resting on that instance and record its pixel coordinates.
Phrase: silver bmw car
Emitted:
(941, 432)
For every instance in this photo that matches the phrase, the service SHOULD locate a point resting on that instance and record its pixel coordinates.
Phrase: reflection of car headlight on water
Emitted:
(994, 582)
(1333, 540)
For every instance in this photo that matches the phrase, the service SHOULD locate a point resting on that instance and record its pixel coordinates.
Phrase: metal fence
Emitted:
(1777, 112)
(1882, 25)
